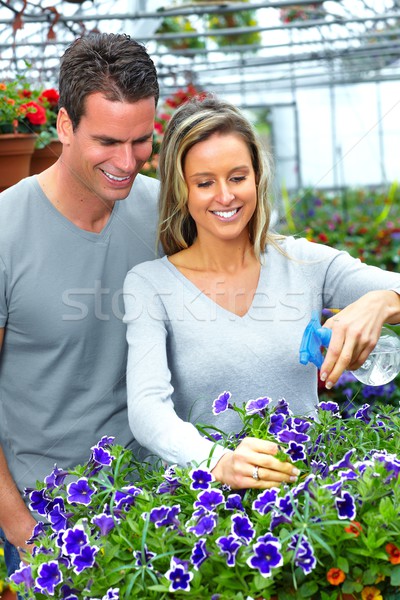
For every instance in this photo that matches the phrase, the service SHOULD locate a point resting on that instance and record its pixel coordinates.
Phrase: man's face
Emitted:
(109, 147)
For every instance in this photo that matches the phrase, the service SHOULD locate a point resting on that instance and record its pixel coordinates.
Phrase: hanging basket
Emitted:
(15, 157)
(43, 158)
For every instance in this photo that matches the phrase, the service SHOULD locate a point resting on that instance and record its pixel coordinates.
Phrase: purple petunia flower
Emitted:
(265, 501)
(144, 557)
(257, 406)
(304, 554)
(49, 576)
(291, 435)
(229, 545)
(23, 575)
(284, 509)
(80, 492)
(58, 518)
(165, 516)
(56, 478)
(282, 408)
(330, 406)
(362, 413)
(125, 497)
(112, 594)
(209, 500)
(179, 577)
(205, 525)
(296, 451)
(201, 479)
(106, 441)
(104, 522)
(199, 553)
(168, 487)
(344, 463)
(39, 501)
(38, 531)
(234, 502)
(68, 593)
(276, 423)
(85, 559)
(242, 528)
(74, 540)
(346, 506)
(101, 456)
(221, 404)
(266, 557)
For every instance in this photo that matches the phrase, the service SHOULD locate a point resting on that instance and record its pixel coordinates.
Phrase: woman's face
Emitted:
(222, 186)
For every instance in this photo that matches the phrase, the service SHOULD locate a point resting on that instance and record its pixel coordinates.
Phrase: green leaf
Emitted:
(395, 575)
(308, 589)
(343, 564)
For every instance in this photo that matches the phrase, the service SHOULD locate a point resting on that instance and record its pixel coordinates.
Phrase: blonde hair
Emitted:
(194, 122)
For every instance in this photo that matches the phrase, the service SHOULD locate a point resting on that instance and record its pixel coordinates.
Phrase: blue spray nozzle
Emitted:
(314, 337)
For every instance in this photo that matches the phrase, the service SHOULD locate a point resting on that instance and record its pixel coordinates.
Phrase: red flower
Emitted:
(355, 528)
(37, 116)
(322, 237)
(25, 93)
(51, 95)
(394, 554)
(335, 576)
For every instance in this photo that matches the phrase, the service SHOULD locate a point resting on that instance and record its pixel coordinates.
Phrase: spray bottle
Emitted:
(381, 366)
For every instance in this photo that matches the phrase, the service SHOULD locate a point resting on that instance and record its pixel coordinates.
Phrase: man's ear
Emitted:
(64, 127)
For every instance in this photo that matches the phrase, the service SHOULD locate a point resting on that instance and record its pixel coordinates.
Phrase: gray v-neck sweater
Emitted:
(185, 350)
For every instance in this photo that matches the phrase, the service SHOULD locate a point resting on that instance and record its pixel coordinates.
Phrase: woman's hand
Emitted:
(238, 469)
(355, 332)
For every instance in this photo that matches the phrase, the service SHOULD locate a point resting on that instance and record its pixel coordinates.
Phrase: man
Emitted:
(67, 239)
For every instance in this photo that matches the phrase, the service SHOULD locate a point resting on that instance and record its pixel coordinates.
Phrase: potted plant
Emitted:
(116, 531)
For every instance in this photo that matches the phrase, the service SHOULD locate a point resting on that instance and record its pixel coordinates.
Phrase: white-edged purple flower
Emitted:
(257, 406)
(276, 423)
(144, 558)
(221, 404)
(58, 518)
(48, 577)
(266, 556)
(242, 528)
(37, 532)
(291, 435)
(205, 525)
(23, 575)
(303, 485)
(296, 451)
(201, 479)
(105, 522)
(304, 554)
(344, 463)
(282, 408)
(332, 407)
(234, 502)
(265, 501)
(39, 502)
(101, 456)
(125, 497)
(112, 594)
(80, 492)
(362, 413)
(346, 506)
(199, 553)
(85, 559)
(209, 500)
(283, 511)
(165, 516)
(56, 478)
(106, 441)
(179, 577)
(74, 540)
(229, 546)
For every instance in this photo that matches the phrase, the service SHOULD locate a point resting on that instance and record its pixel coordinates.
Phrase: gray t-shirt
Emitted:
(63, 362)
(185, 350)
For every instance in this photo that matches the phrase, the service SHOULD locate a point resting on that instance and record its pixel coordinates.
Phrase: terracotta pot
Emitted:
(7, 594)
(15, 157)
(42, 158)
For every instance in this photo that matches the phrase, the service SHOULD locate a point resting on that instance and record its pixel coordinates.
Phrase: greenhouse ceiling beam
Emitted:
(200, 9)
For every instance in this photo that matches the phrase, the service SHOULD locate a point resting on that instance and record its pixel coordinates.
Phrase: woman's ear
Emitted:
(64, 127)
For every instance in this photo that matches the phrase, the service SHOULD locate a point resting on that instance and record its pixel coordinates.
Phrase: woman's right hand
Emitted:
(238, 468)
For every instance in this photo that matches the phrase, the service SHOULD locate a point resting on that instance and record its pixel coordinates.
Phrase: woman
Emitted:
(227, 306)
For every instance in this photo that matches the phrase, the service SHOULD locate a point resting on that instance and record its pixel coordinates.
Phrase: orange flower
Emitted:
(355, 528)
(371, 593)
(335, 576)
(3, 87)
(394, 553)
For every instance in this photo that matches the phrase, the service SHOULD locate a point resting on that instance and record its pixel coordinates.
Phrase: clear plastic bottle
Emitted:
(383, 364)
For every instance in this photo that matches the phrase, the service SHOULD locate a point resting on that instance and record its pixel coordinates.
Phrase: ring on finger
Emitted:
(255, 473)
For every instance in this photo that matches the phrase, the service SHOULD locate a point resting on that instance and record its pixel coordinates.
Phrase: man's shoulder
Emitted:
(18, 194)
(145, 185)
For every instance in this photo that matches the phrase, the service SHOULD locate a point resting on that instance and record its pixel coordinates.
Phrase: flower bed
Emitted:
(179, 533)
